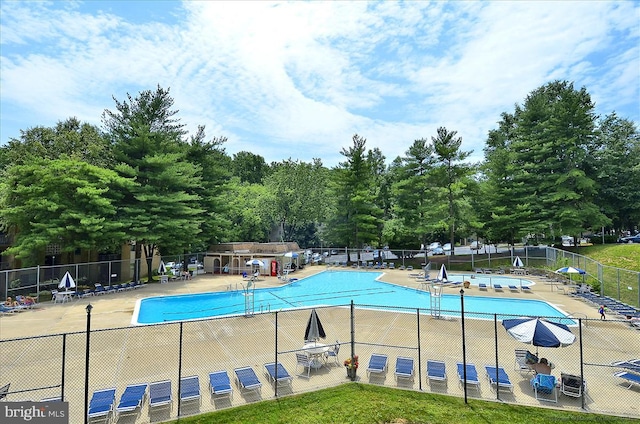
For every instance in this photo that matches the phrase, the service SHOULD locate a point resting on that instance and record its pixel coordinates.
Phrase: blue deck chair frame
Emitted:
(246, 379)
(544, 384)
(220, 384)
(632, 365)
(377, 364)
(101, 405)
(132, 399)
(502, 381)
(160, 395)
(629, 378)
(472, 375)
(282, 379)
(190, 389)
(404, 368)
(436, 371)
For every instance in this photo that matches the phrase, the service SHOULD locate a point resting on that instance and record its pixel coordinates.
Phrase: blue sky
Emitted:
(298, 80)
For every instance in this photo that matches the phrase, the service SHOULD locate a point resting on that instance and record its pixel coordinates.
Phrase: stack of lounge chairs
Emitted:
(612, 305)
(630, 372)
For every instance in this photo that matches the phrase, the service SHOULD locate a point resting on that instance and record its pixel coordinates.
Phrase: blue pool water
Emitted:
(335, 288)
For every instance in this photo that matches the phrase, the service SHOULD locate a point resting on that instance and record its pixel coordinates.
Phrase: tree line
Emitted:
(551, 167)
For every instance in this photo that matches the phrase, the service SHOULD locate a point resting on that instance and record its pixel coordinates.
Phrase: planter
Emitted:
(467, 284)
(351, 373)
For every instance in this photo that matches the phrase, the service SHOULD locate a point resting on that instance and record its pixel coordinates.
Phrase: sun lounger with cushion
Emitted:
(190, 389)
(132, 399)
(247, 379)
(513, 288)
(101, 405)
(632, 365)
(497, 287)
(282, 378)
(404, 368)
(471, 377)
(482, 286)
(160, 394)
(525, 289)
(502, 377)
(377, 364)
(629, 377)
(436, 371)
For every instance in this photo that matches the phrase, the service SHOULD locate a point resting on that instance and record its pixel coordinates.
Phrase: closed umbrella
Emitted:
(314, 330)
(442, 275)
(162, 269)
(67, 282)
(539, 332)
(517, 262)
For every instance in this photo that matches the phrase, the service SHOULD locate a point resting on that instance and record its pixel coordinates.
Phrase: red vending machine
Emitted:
(274, 268)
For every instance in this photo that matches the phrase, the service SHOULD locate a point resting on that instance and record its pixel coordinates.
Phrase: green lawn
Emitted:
(626, 256)
(368, 404)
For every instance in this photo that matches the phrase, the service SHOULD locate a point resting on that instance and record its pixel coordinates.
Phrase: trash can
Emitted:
(164, 279)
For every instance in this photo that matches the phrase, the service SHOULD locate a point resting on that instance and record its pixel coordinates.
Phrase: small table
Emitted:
(65, 296)
(316, 352)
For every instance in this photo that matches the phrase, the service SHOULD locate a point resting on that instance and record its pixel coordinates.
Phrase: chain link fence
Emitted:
(55, 365)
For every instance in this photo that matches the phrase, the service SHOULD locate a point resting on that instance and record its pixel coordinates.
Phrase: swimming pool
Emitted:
(331, 288)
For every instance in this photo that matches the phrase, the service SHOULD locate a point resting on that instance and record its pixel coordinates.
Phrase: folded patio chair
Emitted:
(283, 377)
(502, 378)
(572, 385)
(629, 377)
(101, 405)
(304, 361)
(219, 384)
(160, 394)
(544, 384)
(436, 371)
(132, 399)
(247, 379)
(472, 375)
(377, 364)
(404, 368)
(190, 389)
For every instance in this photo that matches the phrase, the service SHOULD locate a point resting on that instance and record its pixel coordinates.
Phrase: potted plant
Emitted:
(351, 364)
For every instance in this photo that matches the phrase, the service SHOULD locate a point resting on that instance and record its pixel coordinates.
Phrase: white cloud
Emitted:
(299, 79)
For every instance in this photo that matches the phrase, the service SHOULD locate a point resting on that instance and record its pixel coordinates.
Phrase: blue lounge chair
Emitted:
(482, 286)
(502, 379)
(436, 371)
(472, 375)
(544, 384)
(629, 377)
(132, 399)
(404, 368)
(247, 379)
(497, 287)
(219, 384)
(513, 288)
(525, 289)
(190, 389)
(160, 394)
(632, 365)
(101, 405)
(283, 377)
(377, 364)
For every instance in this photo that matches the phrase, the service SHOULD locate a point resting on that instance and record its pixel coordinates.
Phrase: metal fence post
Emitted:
(86, 367)
(581, 363)
(419, 356)
(64, 349)
(275, 386)
(353, 334)
(464, 347)
(495, 332)
(180, 368)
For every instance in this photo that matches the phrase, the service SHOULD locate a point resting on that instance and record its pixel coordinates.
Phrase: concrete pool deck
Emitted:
(602, 346)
